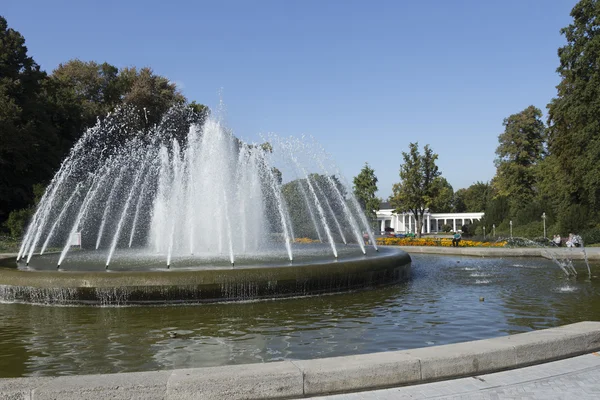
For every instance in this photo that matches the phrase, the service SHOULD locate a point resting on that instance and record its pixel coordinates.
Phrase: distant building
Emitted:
(432, 222)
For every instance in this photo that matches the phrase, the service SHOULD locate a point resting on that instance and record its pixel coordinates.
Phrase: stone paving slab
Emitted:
(573, 378)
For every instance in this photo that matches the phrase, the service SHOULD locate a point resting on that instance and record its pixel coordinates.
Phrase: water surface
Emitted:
(439, 305)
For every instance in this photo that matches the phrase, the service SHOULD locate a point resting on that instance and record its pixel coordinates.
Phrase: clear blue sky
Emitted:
(363, 78)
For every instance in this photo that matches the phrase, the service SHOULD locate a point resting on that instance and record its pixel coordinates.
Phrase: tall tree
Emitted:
(458, 201)
(444, 196)
(521, 147)
(86, 90)
(152, 94)
(417, 189)
(365, 187)
(27, 138)
(41, 117)
(476, 197)
(574, 115)
(80, 93)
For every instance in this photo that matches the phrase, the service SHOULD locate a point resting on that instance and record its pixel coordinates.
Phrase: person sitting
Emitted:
(557, 240)
(570, 242)
(456, 239)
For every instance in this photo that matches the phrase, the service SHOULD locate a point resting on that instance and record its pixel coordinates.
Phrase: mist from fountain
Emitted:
(183, 189)
(562, 260)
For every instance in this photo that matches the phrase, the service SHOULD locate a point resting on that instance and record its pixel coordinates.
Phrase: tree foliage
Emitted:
(301, 195)
(417, 189)
(42, 116)
(574, 116)
(28, 140)
(520, 148)
(365, 187)
(152, 94)
(476, 197)
(443, 200)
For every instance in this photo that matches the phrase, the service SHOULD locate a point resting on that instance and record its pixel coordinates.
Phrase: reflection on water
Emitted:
(441, 304)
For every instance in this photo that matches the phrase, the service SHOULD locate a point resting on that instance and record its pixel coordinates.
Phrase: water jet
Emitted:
(194, 197)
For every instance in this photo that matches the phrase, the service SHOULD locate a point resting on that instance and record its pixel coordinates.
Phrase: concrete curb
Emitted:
(593, 253)
(296, 379)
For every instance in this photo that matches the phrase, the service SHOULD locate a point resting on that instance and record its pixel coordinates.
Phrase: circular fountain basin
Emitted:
(90, 283)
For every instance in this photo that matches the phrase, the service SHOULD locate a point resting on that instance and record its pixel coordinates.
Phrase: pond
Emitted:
(441, 304)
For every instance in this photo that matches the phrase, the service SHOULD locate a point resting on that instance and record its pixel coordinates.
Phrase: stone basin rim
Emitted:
(255, 282)
(292, 379)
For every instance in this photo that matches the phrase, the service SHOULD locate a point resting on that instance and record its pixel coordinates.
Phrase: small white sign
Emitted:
(75, 239)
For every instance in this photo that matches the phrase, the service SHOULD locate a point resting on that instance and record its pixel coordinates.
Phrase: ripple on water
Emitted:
(567, 289)
(439, 305)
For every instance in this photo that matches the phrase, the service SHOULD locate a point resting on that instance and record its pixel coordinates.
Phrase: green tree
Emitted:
(200, 109)
(458, 201)
(28, 139)
(82, 91)
(86, 90)
(306, 220)
(417, 189)
(496, 212)
(18, 220)
(41, 117)
(444, 196)
(520, 148)
(574, 118)
(476, 197)
(365, 187)
(94, 87)
(152, 94)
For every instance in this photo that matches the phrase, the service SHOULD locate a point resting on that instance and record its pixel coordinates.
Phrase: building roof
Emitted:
(385, 205)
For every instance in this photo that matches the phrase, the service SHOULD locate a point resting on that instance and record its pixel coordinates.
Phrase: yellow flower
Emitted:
(390, 241)
(305, 240)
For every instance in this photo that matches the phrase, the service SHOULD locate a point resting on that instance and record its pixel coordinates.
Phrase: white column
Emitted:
(463, 221)
(428, 223)
(454, 222)
(382, 225)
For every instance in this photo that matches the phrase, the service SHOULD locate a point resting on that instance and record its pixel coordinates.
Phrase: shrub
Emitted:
(521, 242)
(17, 222)
(591, 236)
(469, 230)
(446, 228)
(530, 230)
(8, 245)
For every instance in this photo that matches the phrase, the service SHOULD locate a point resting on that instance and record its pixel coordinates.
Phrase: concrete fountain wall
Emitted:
(208, 284)
(306, 378)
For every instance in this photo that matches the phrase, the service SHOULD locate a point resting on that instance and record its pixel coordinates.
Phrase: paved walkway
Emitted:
(574, 378)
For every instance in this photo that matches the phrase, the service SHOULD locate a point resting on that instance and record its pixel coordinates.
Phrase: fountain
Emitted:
(563, 259)
(184, 211)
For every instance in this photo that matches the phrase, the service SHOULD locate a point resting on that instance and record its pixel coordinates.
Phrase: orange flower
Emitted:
(387, 241)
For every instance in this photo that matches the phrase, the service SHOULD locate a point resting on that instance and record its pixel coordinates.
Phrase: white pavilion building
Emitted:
(432, 222)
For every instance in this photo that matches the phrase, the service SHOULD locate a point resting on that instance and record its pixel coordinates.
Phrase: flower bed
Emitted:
(390, 241)
(305, 240)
